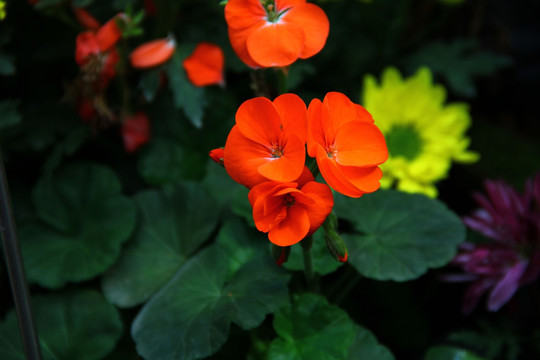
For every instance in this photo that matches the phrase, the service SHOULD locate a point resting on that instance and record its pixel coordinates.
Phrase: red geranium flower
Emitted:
(205, 65)
(268, 141)
(135, 131)
(290, 211)
(347, 145)
(153, 53)
(275, 33)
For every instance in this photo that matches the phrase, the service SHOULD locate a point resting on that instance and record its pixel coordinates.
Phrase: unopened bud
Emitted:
(217, 155)
(336, 246)
(280, 254)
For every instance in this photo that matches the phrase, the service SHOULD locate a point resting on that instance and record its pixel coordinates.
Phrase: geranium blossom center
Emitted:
(276, 151)
(331, 151)
(288, 200)
(271, 12)
(404, 141)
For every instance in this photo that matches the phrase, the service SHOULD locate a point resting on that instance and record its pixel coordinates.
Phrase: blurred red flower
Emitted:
(135, 131)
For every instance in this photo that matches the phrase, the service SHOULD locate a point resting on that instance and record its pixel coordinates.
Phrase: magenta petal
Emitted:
(506, 287)
(474, 292)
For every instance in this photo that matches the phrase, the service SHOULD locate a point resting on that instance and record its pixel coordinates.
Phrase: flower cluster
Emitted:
(266, 152)
(512, 256)
(424, 134)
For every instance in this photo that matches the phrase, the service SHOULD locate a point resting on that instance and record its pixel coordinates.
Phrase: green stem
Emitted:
(308, 264)
(282, 79)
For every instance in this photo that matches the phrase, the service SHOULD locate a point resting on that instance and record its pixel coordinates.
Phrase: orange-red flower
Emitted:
(153, 53)
(290, 211)
(347, 145)
(205, 65)
(276, 33)
(135, 131)
(268, 141)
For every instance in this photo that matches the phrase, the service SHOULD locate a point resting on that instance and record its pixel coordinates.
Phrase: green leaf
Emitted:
(82, 220)
(365, 346)
(71, 143)
(398, 236)
(310, 328)
(173, 223)
(458, 62)
(323, 262)
(164, 162)
(190, 317)
(186, 96)
(149, 83)
(8, 113)
(80, 325)
(450, 353)
(7, 66)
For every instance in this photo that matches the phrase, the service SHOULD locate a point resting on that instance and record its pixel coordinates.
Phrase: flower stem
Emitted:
(308, 263)
(14, 264)
(282, 80)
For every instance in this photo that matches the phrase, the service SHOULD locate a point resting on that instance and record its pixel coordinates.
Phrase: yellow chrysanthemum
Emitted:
(423, 134)
(2, 10)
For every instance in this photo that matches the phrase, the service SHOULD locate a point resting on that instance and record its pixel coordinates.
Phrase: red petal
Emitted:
(109, 33)
(135, 131)
(276, 44)
(293, 113)
(292, 229)
(205, 65)
(152, 53)
(315, 25)
(360, 143)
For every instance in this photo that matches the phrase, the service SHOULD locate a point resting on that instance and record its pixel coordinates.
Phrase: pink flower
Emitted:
(512, 256)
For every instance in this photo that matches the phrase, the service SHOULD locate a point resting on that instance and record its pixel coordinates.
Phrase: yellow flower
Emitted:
(423, 134)
(2, 10)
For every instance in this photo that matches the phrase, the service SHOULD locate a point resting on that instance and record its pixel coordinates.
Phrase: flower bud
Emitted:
(217, 155)
(336, 246)
(280, 254)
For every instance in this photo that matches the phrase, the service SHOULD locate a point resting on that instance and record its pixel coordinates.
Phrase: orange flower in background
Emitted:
(275, 33)
(135, 131)
(205, 65)
(347, 145)
(153, 53)
(268, 141)
(290, 211)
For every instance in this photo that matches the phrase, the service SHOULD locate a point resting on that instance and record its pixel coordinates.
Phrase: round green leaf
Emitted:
(165, 162)
(365, 346)
(82, 221)
(310, 328)
(398, 236)
(323, 262)
(80, 325)
(189, 318)
(172, 224)
(450, 353)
